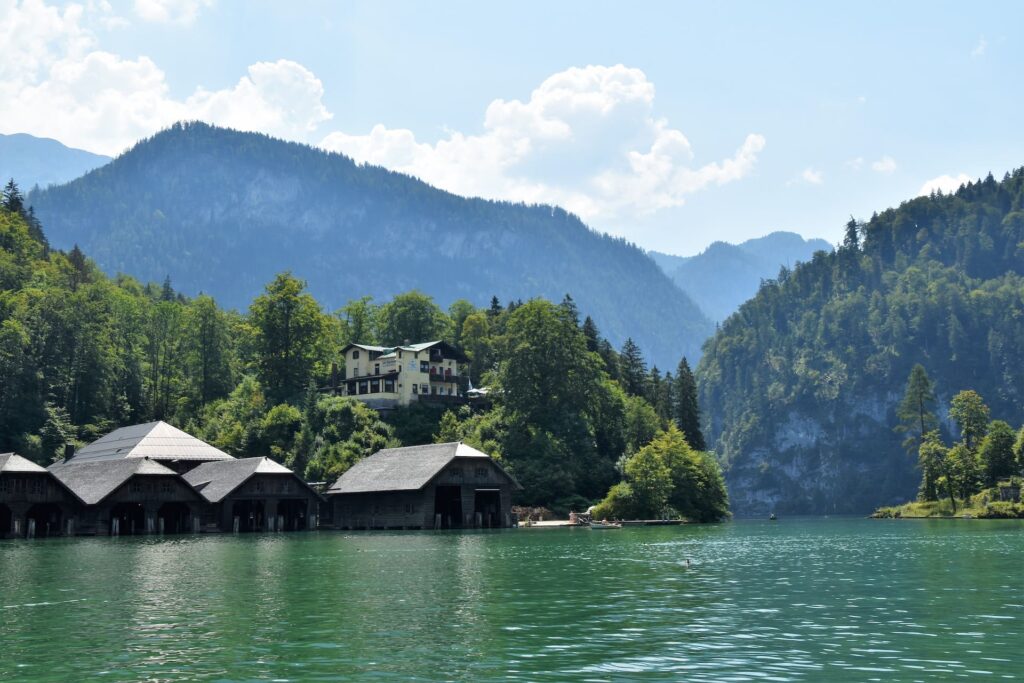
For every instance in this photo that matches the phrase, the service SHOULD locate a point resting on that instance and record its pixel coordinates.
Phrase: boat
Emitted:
(605, 525)
(772, 517)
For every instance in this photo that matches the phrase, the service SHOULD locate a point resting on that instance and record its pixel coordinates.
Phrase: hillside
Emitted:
(799, 387)
(221, 212)
(724, 275)
(41, 161)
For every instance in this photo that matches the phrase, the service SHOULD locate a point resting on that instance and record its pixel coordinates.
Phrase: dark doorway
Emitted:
(127, 519)
(249, 514)
(487, 504)
(47, 518)
(448, 504)
(177, 518)
(293, 514)
(6, 521)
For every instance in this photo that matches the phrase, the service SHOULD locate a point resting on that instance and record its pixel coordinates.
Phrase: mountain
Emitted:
(35, 161)
(724, 275)
(221, 211)
(799, 387)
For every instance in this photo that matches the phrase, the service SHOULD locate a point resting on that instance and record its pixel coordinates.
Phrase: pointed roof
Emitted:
(12, 462)
(406, 469)
(94, 481)
(156, 440)
(217, 480)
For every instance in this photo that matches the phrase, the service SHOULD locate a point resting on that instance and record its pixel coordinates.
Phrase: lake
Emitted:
(795, 600)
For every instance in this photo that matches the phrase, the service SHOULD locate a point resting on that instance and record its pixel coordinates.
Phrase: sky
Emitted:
(672, 124)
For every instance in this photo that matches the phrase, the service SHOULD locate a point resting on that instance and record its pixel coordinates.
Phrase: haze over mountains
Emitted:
(41, 161)
(724, 275)
(221, 212)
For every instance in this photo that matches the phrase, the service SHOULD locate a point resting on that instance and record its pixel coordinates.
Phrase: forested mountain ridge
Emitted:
(799, 388)
(222, 211)
(724, 275)
(42, 161)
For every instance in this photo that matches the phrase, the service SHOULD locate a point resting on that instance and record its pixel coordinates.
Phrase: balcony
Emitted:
(438, 377)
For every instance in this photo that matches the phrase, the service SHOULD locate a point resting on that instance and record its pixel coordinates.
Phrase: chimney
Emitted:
(69, 451)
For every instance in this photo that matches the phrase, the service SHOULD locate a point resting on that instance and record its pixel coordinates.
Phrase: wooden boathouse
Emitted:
(436, 486)
(33, 503)
(254, 494)
(131, 496)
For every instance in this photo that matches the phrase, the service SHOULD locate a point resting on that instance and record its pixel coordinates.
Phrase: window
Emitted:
(355, 355)
(376, 368)
(424, 366)
(19, 485)
(409, 509)
(286, 486)
(481, 472)
(415, 388)
(364, 387)
(389, 385)
(35, 485)
(166, 487)
(258, 486)
(375, 386)
(5, 487)
(136, 487)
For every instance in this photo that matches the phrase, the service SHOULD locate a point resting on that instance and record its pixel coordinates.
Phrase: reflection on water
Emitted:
(797, 600)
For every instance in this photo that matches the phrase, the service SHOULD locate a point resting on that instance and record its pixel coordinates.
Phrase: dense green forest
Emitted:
(800, 387)
(222, 212)
(82, 353)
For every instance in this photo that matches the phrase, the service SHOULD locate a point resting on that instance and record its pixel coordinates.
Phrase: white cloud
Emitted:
(809, 176)
(980, 48)
(182, 12)
(55, 83)
(586, 139)
(886, 165)
(944, 183)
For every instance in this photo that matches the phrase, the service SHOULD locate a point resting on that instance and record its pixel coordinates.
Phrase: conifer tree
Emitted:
(633, 369)
(687, 409)
(591, 333)
(915, 411)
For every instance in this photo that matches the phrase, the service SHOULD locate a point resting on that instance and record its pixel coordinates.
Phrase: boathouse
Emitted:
(33, 504)
(157, 441)
(436, 486)
(254, 494)
(130, 496)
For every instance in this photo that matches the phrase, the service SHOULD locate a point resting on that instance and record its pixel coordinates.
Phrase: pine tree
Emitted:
(495, 310)
(633, 369)
(13, 200)
(592, 335)
(570, 309)
(851, 240)
(687, 408)
(915, 411)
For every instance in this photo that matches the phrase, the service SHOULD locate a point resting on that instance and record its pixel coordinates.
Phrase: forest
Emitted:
(572, 416)
(801, 386)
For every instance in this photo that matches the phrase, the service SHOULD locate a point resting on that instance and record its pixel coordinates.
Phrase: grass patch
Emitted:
(984, 505)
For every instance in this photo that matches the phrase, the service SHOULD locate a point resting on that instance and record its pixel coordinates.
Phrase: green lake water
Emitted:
(795, 600)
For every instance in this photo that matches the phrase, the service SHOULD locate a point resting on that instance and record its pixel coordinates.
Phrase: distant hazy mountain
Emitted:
(222, 212)
(723, 276)
(41, 161)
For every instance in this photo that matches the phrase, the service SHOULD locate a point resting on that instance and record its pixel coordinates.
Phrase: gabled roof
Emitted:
(412, 348)
(12, 462)
(216, 480)
(405, 469)
(94, 481)
(157, 440)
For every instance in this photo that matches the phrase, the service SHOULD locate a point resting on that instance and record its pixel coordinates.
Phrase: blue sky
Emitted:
(673, 124)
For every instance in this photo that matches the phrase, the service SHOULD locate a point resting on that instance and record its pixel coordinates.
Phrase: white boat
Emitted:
(605, 525)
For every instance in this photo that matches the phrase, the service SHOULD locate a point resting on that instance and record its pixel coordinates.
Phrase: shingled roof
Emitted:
(216, 480)
(405, 469)
(94, 481)
(156, 440)
(12, 462)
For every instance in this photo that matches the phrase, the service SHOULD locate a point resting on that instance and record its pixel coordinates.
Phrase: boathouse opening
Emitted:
(292, 513)
(175, 517)
(249, 515)
(127, 519)
(487, 504)
(448, 504)
(45, 518)
(6, 520)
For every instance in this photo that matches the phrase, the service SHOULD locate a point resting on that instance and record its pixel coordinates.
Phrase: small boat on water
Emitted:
(605, 525)
(772, 517)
